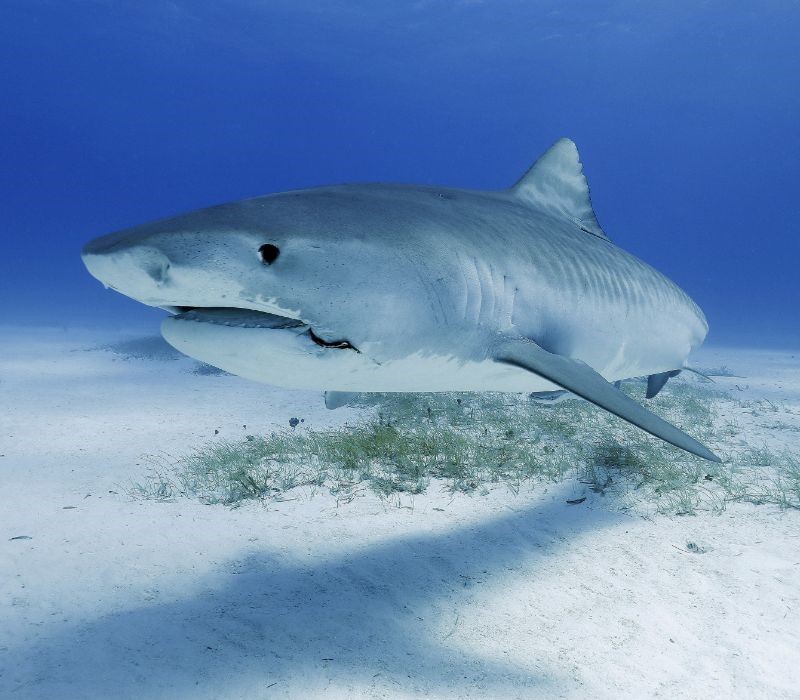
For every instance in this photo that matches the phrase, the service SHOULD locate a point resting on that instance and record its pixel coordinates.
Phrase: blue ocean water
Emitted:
(115, 112)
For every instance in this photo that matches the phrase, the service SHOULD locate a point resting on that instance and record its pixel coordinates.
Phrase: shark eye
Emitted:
(269, 253)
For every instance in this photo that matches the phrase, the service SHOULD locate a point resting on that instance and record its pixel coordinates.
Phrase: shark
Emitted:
(413, 288)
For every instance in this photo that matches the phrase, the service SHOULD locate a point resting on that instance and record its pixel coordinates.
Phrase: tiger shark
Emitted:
(405, 288)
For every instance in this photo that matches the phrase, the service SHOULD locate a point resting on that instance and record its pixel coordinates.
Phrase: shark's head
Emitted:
(311, 276)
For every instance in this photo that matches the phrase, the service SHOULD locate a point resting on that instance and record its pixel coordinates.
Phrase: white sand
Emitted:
(498, 596)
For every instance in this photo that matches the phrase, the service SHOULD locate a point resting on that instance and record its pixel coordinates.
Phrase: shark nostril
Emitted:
(158, 271)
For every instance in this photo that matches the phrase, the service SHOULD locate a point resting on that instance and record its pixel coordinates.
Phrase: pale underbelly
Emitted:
(287, 357)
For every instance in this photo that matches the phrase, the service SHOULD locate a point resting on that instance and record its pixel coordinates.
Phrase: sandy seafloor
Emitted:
(496, 596)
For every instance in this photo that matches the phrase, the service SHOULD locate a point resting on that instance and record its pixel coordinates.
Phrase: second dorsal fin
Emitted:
(556, 184)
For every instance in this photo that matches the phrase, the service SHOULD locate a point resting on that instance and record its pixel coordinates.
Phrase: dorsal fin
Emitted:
(557, 185)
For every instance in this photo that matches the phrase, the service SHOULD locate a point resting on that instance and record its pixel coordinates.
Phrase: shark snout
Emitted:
(139, 272)
(165, 270)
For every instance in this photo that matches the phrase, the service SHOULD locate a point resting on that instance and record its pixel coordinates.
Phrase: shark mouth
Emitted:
(248, 318)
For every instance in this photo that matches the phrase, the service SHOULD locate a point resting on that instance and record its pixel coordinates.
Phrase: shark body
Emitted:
(357, 288)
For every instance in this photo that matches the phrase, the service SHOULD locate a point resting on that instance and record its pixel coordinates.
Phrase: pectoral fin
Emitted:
(579, 378)
(656, 382)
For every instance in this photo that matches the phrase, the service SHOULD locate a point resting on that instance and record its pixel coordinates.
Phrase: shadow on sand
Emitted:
(157, 349)
(377, 617)
(145, 348)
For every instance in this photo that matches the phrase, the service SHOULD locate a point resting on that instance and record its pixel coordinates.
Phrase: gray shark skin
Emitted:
(380, 287)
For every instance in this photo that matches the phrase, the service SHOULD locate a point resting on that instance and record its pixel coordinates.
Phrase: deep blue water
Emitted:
(687, 117)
